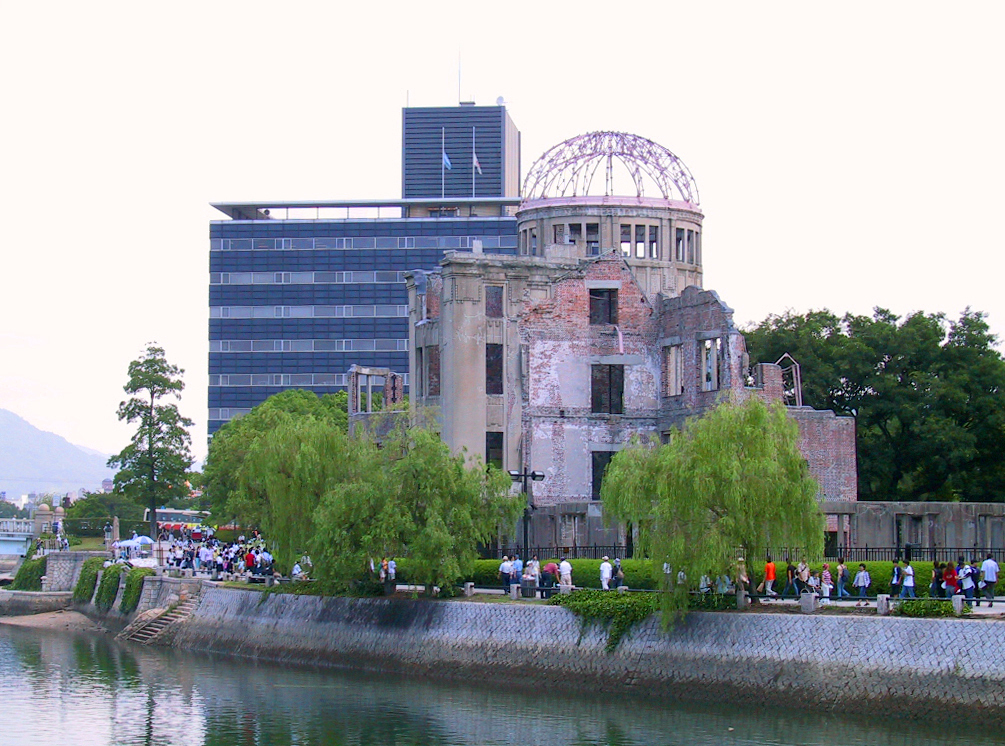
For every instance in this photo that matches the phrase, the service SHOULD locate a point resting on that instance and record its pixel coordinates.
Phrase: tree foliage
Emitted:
(926, 395)
(153, 466)
(105, 505)
(412, 498)
(732, 480)
(229, 448)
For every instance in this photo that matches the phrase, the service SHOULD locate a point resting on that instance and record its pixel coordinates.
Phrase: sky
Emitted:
(847, 155)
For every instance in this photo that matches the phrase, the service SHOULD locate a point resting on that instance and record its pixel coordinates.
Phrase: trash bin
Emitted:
(528, 589)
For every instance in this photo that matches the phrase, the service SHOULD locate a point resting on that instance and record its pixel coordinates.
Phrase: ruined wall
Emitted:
(827, 443)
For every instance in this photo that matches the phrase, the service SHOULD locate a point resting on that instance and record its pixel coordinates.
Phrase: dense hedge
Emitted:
(83, 592)
(108, 589)
(134, 586)
(29, 575)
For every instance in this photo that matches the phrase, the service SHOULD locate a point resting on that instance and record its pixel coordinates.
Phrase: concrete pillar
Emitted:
(883, 604)
(565, 590)
(808, 603)
(958, 604)
(469, 589)
(514, 591)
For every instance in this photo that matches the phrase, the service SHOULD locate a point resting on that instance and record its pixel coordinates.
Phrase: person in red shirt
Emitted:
(769, 577)
(949, 578)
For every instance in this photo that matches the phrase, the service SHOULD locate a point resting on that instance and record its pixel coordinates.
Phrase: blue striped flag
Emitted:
(446, 162)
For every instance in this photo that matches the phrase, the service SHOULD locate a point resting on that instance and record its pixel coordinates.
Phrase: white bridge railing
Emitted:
(17, 527)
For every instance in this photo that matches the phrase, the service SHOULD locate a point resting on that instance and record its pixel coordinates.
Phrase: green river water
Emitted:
(83, 690)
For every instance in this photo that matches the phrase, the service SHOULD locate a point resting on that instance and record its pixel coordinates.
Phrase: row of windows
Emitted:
(711, 368)
(283, 379)
(494, 456)
(640, 241)
(307, 345)
(305, 312)
(227, 413)
(362, 242)
(304, 278)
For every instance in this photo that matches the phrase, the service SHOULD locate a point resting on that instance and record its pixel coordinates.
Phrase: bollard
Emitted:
(469, 589)
(514, 591)
(808, 603)
(269, 580)
(883, 604)
(622, 589)
(958, 604)
(565, 590)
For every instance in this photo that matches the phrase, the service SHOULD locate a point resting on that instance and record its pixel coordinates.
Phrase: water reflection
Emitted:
(86, 690)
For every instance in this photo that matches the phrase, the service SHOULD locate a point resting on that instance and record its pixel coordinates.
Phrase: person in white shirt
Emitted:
(989, 569)
(505, 568)
(907, 587)
(606, 572)
(565, 572)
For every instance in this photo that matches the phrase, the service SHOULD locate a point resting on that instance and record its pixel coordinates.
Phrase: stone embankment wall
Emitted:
(63, 568)
(16, 603)
(881, 664)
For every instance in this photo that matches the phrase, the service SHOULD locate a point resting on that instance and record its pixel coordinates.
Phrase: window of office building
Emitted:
(601, 459)
(603, 306)
(493, 369)
(494, 449)
(607, 388)
(494, 301)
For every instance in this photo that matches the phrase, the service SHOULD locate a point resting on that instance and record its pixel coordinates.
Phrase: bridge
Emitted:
(15, 535)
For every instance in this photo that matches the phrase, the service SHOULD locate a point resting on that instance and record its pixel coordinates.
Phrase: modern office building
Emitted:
(299, 291)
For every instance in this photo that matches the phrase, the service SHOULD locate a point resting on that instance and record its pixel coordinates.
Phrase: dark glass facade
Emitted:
(294, 303)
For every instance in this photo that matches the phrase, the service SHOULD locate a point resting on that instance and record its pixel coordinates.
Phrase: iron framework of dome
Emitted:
(569, 168)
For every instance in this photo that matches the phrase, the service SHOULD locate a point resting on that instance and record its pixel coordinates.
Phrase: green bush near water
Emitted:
(134, 586)
(83, 592)
(29, 575)
(108, 589)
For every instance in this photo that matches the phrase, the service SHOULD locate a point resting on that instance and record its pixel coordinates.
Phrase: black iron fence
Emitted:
(592, 552)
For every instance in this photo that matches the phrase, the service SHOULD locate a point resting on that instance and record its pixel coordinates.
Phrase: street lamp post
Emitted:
(524, 477)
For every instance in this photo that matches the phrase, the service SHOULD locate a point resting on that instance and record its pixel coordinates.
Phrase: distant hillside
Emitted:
(32, 460)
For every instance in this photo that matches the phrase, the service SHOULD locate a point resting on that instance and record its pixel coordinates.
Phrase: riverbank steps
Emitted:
(880, 665)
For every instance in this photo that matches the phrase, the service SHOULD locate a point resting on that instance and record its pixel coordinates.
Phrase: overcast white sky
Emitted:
(847, 155)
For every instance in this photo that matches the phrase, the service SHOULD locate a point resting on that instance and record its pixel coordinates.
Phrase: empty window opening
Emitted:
(608, 387)
(601, 460)
(711, 353)
(523, 242)
(626, 240)
(690, 247)
(680, 244)
(603, 306)
(533, 241)
(654, 242)
(493, 369)
(558, 233)
(420, 378)
(673, 368)
(494, 449)
(433, 370)
(494, 301)
(575, 232)
(640, 241)
(697, 247)
(593, 239)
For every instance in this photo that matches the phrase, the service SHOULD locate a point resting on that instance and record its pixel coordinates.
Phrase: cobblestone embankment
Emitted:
(880, 664)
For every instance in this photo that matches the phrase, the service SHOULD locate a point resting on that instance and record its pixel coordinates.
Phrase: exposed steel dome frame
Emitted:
(568, 169)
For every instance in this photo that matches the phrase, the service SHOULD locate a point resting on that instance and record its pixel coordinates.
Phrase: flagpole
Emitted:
(472, 163)
(443, 163)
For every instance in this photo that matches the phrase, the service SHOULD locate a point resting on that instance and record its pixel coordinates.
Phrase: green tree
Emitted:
(105, 505)
(152, 468)
(412, 498)
(230, 446)
(10, 510)
(732, 480)
(926, 395)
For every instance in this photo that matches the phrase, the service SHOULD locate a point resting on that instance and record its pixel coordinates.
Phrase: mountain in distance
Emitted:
(32, 460)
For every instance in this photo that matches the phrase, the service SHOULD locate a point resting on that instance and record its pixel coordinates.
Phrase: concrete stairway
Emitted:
(151, 625)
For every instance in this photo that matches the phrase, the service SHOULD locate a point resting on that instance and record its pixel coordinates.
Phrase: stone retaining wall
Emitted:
(887, 665)
(16, 603)
(63, 568)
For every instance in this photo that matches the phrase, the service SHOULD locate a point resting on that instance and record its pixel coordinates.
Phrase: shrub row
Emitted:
(108, 589)
(29, 575)
(134, 586)
(83, 592)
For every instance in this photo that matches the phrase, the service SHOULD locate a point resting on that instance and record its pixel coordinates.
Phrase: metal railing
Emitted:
(575, 552)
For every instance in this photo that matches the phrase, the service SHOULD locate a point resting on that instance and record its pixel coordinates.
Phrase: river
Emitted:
(76, 689)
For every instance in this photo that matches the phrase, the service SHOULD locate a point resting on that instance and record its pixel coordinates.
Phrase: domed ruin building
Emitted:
(597, 330)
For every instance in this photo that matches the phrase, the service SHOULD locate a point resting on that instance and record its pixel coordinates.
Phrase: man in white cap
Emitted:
(606, 572)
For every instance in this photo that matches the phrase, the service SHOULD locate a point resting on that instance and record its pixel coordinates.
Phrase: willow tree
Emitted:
(416, 500)
(731, 481)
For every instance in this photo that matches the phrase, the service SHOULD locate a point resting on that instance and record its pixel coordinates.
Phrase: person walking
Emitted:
(565, 572)
(949, 579)
(842, 579)
(826, 583)
(790, 579)
(862, 582)
(907, 587)
(966, 580)
(606, 572)
(895, 579)
(989, 569)
(802, 575)
(619, 574)
(505, 569)
(769, 577)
